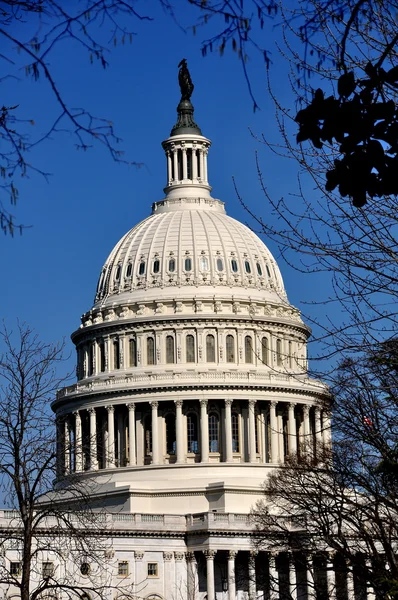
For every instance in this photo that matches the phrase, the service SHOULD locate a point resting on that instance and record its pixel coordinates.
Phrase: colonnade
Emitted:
(147, 349)
(230, 431)
(187, 162)
(277, 576)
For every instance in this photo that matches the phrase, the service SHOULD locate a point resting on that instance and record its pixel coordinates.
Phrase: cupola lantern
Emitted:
(186, 148)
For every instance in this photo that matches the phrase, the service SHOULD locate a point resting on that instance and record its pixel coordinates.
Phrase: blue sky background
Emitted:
(49, 274)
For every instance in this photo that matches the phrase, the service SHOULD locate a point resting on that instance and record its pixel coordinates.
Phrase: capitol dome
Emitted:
(189, 242)
(191, 364)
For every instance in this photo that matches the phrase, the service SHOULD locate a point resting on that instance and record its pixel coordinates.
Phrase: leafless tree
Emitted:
(50, 541)
(345, 501)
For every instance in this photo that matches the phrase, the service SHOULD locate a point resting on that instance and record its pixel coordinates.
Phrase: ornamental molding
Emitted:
(169, 306)
(88, 390)
(257, 326)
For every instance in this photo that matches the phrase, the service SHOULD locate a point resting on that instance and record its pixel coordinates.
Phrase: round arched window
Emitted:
(141, 269)
(259, 269)
(129, 270)
(156, 266)
(248, 268)
(220, 264)
(188, 264)
(172, 265)
(234, 266)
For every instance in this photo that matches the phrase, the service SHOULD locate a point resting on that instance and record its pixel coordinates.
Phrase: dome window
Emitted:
(132, 352)
(190, 349)
(220, 264)
(117, 276)
(264, 351)
(259, 269)
(129, 270)
(156, 266)
(279, 358)
(234, 265)
(210, 348)
(235, 432)
(204, 263)
(141, 269)
(230, 349)
(150, 351)
(116, 354)
(248, 268)
(170, 349)
(214, 432)
(172, 265)
(268, 271)
(188, 264)
(192, 433)
(248, 349)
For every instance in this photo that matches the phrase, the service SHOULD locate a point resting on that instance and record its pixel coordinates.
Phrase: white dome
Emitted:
(188, 242)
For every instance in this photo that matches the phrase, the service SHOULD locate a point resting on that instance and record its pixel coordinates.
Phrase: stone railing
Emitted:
(145, 521)
(218, 520)
(183, 377)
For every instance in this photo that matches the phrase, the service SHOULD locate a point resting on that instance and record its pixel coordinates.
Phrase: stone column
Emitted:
(205, 165)
(108, 353)
(184, 164)
(93, 439)
(307, 440)
(204, 433)
(327, 430)
(110, 458)
(175, 164)
(201, 174)
(140, 575)
(292, 439)
(192, 576)
(179, 433)
(169, 168)
(194, 164)
(121, 436)
(180, 572)
(292, 577)
(67, 446)
(155, 433)
(252, 431)
(252, 576)
(78, 442)
(331, 576)
(273, 578)
(210, 554)
(228, 431)
(60, 444)
(318, 426)
(274, 431)
(311, 595)
(231, 575)
(132, 453)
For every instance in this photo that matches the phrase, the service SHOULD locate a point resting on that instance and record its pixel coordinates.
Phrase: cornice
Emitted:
(219, 310)
(125, 390)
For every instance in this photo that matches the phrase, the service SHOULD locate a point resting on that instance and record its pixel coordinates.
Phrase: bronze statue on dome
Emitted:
(185, 81)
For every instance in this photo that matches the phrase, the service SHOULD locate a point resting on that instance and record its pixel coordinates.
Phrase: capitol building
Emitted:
(192, 387)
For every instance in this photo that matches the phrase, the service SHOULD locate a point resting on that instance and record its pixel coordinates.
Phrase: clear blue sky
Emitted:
(49, 274)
